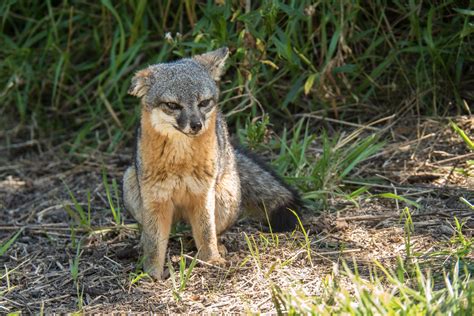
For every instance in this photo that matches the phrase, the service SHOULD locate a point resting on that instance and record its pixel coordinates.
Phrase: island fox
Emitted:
(185, 167)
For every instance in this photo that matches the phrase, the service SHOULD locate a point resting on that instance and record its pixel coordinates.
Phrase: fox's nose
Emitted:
(195, 126)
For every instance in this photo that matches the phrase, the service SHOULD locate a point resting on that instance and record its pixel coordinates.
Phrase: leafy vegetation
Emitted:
(67, 66)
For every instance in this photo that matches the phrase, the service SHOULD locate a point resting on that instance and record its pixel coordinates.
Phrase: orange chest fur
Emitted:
(177, 157)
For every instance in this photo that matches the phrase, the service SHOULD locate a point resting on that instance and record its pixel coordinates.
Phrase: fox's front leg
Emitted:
(157, 221)
(202, 220)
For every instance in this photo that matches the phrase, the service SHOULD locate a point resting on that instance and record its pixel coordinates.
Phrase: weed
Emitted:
(74, 270)
(321, 177)
(351, 197)
(397, 197)
(136, 277)
(254, 251)
(113, 205)
(464, 245)
(254, 132)
(180, 281)
(408, 230)
(4, 246)
(462, 134)
(138, 274)
(307, 244)
(459, 247)
(78, 214)
(469, 204)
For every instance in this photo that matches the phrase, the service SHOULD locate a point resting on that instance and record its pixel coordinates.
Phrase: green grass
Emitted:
(74, 270)
(76, 210)
(385, 292)
(462, 134)
(6, 244)
(413, 287)
(82, 217)
(180, 279)
(114, 206)
(329, 57)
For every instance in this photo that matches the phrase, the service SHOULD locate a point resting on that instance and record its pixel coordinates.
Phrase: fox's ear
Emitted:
(214, 62)
(141, 83)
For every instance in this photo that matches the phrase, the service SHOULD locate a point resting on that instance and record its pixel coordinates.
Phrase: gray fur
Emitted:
(241, 181)
(260, 188)
(182, 82)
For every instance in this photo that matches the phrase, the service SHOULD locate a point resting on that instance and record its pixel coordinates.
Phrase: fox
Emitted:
(185, 166)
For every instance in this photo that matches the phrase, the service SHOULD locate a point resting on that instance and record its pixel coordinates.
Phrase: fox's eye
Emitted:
(172, 106)
(204, 103)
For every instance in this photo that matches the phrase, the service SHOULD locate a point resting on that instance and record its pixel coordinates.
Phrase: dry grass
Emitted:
(428, 167)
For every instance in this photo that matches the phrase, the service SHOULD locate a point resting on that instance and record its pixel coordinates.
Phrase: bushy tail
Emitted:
(264, 191)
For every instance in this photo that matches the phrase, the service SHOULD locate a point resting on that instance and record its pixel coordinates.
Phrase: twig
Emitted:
(455, 158)
(366, 217)
(109, 108)
(339, 252)
(323, 118)
(419, 187)
(204, 262)
(50, 299)
(394, 215)
(68, 228)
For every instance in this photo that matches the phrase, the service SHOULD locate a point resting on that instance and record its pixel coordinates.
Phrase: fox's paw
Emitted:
(217, 260)
(154, 272)
(212, 258)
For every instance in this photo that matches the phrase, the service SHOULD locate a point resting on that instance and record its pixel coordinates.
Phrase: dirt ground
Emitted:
(423, 160)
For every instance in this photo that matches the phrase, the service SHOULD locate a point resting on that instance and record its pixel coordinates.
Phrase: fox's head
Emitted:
(181, 96)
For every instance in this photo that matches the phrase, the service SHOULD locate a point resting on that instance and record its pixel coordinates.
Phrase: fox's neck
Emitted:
(175, 148)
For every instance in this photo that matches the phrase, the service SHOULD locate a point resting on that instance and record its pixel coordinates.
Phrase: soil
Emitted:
(423, 160)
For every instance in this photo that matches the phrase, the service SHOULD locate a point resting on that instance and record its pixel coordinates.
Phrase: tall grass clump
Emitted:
(320, 171)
